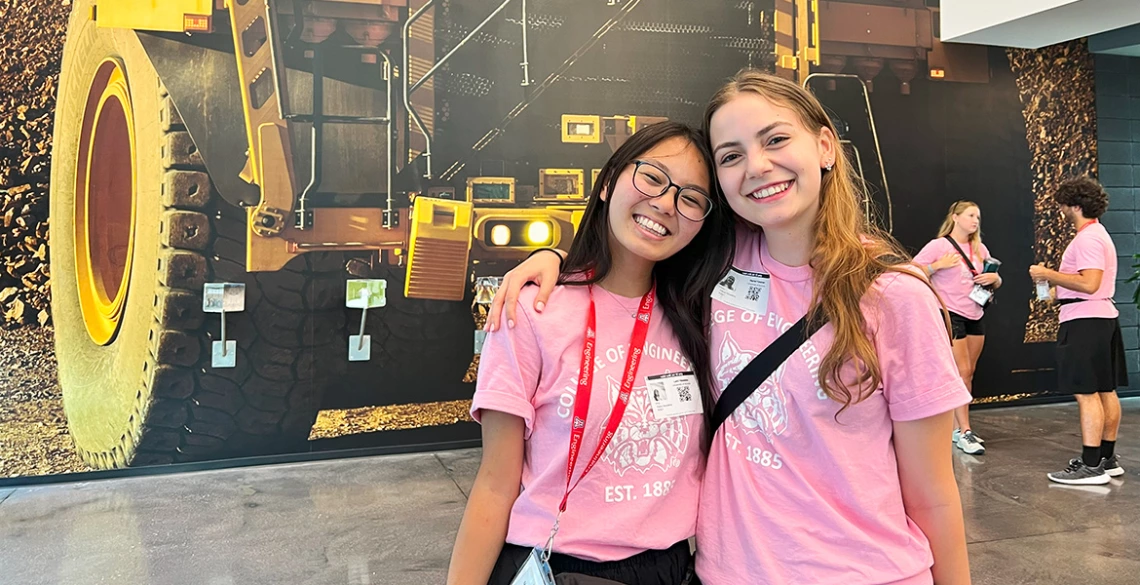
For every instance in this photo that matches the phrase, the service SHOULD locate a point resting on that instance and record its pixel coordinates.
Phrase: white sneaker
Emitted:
(969, 443)
(957, 434)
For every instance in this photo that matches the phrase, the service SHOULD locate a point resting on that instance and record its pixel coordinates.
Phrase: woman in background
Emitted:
(956, 261)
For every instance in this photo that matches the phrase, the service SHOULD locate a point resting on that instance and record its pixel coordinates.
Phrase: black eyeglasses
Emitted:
(692, 203)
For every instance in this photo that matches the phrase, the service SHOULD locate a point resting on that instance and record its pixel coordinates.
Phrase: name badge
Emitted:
(980, 295)
(673, 395)
(747, 291)
(534, 571)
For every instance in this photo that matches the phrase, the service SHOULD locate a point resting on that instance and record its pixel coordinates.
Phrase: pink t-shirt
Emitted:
(643, 492)
(1092, 248)
(954, 284)
(791, 495)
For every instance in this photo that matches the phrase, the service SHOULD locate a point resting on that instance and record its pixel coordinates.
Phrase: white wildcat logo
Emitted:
(766, 409)
(733, 360)
(642, 442)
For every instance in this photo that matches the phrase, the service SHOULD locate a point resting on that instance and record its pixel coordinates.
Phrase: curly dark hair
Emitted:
(1085, 193)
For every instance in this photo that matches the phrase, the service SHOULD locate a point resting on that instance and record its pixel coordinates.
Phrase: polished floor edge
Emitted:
(155, 470)
(354, 452)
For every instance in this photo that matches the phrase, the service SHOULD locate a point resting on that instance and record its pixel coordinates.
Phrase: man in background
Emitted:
(1090, 350)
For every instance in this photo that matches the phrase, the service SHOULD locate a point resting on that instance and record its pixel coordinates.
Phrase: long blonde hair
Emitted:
(959, 207)
(848, 254)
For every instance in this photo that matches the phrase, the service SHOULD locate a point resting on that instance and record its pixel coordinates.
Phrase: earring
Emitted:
(828, 167)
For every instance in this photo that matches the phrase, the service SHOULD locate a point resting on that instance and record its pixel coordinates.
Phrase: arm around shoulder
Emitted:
(541, 267)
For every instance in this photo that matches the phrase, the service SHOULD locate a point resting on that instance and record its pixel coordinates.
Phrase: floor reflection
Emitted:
(392, 520)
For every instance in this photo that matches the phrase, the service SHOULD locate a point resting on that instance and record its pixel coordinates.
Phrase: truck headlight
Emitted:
(537, 233)
(500, 235)
(518, 233)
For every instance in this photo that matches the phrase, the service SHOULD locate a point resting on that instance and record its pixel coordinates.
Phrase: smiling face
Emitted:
(969, 221)
(652, 228)
(768, 163)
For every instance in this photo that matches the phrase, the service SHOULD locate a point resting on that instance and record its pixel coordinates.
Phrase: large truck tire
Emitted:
(129, 265)
(421, 349)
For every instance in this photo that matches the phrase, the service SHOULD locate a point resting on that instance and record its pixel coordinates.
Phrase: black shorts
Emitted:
(962, 326)
(1090, 357)
(652, 567)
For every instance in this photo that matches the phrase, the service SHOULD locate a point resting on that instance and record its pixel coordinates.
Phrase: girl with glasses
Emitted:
(592, 410)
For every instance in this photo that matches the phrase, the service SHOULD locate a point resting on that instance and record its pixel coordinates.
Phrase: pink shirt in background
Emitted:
(954, 284)
(790, 494)
(1092, 248)
(643, 492)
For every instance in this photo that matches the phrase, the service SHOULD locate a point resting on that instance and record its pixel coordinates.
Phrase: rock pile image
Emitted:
(1057, 85)
(32, 33)
(33, 430)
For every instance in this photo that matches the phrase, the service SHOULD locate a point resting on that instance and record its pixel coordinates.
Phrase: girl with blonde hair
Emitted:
(956, 262)
(835, 468)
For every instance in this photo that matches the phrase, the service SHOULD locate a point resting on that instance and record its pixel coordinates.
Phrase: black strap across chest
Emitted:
(969, 264)
(1063, 302)
(762, 366)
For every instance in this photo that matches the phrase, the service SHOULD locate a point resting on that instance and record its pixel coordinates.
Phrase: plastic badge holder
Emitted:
(535, 571)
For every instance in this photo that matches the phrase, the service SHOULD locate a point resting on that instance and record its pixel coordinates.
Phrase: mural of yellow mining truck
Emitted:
(242, 160)
(223, 168)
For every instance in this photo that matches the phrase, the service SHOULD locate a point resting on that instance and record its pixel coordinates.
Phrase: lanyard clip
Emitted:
(549, 548)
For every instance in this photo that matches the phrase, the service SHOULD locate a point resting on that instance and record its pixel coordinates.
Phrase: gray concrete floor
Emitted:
(392, 520)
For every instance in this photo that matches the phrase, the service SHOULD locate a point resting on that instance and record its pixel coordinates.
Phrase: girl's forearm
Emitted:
(484, 527)
(946, 531)
(481, 536)
(930, 494)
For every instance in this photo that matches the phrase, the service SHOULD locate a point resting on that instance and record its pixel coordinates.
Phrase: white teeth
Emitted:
(651, 225)
(770, 191)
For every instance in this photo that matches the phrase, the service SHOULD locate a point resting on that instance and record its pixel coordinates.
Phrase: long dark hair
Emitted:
(685, 280)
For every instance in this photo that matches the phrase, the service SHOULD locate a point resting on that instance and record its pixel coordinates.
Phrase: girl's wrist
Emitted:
(554, 251)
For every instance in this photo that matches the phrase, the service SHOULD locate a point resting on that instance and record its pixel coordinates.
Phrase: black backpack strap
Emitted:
(1063, 302)
(963, 255)
(762, 366)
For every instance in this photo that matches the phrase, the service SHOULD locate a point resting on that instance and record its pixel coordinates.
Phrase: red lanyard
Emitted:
(585, 388)
(1082, 228)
